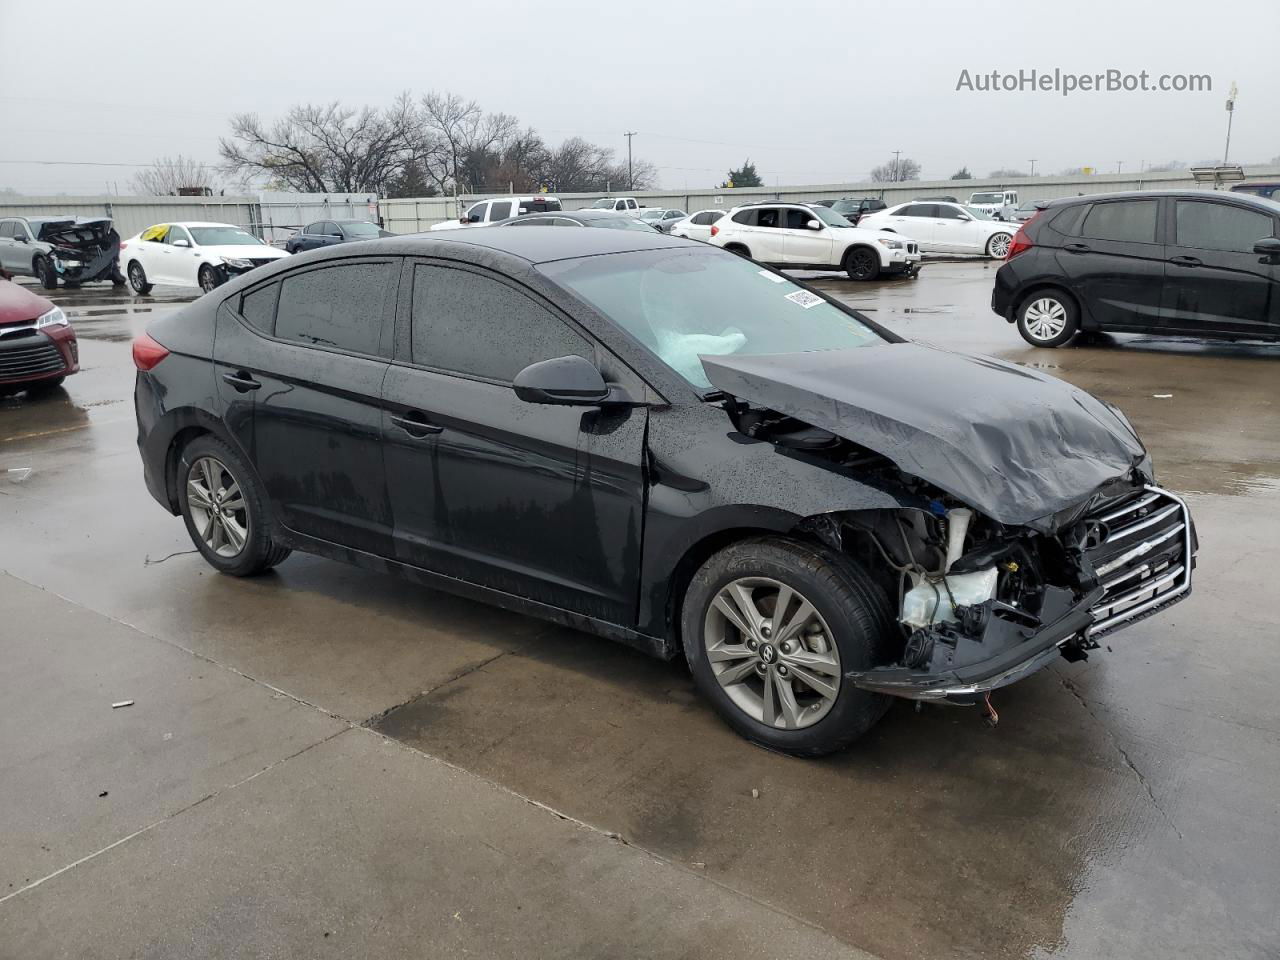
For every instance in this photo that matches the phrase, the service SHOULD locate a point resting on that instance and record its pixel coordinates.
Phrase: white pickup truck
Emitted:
(484, 212)
(996, 203)
(617, 204)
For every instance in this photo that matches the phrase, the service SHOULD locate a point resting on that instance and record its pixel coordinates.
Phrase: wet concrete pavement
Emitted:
(330, 751)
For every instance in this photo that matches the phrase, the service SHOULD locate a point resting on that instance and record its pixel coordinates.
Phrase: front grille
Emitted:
(30, 361)
(1143, 558)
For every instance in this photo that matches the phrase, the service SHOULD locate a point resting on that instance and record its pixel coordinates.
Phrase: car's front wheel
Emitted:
(770, 627)
(1048, 318)
(225, 510)
(862, 263)
(998, 246)
(42, 269)
(138, 279)
(208, 278)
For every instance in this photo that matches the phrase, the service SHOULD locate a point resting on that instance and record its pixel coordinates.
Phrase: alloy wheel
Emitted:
(136, 278)
(218, 507)
(864, 264)
(207, 280)
(772, 653)
(999, 246)
(1045, 318)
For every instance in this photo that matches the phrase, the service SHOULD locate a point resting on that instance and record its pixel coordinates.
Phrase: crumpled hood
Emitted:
(1014, 444)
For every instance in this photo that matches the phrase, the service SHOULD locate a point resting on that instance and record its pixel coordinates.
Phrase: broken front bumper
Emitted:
(1142, 550)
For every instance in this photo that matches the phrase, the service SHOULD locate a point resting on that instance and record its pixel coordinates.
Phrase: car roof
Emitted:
(532, 244)
(587, 214)
(1243, 199)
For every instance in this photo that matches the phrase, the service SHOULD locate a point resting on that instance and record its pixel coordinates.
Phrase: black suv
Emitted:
(1190, 263)
(853, 209)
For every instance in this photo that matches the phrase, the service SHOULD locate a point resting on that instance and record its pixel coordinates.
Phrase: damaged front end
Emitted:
(993, 573)
(83, 250)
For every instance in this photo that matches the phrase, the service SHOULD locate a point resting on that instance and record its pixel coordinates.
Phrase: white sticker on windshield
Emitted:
(772, 276)
(804, 298)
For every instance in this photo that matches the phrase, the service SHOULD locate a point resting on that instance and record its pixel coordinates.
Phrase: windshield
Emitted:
(682, 303)
(829, 217)
(223, 237)
(978, 214)
(621, 223)
(845, 206)
(987, 198)
(361, 229)
(604, 203)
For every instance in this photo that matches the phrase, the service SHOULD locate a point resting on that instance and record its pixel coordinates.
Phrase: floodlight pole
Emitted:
(1231, 112)
(631, 180)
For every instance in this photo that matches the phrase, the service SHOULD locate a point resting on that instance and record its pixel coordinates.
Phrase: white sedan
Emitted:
(697, 226)
(200, 255)
(945, 227)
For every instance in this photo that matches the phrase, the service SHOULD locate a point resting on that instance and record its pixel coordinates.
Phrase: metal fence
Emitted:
(282, 214)
(134, 214)
(416, 215)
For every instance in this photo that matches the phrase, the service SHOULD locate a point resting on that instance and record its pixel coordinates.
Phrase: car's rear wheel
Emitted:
(862, 263)
(770, 627)
(42, 268)
(225, 510)
(138, 279)
(208, 278)
(1048, 318)
(998, 245)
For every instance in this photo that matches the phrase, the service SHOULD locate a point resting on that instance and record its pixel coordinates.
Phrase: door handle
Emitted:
(1077, 247)
(242, 381)
(416, 425)
(1186, 261)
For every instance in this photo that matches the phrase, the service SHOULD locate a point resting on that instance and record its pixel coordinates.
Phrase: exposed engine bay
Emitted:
(83, 250)
(980, 603)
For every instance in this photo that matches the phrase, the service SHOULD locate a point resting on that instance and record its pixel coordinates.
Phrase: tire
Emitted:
(998, 245)
(241, 545)
(117, 278)
(43, 269)
(862, 263)
(138, 279)
(850, 618)
(1048, 318)
(208, 279)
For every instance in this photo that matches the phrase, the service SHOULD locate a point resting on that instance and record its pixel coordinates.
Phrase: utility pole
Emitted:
(631, 180)
(1231, 112)
(1033, 168)
(1119, 164)
(896, 154)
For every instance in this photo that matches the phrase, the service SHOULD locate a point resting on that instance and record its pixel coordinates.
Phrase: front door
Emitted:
(300, 364)
(802, 244)
(915, 222)
(1117, 262)
(536, 500)
(1214, 282)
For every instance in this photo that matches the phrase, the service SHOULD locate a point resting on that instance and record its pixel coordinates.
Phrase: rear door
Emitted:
(537, 500)
(1214, 282)
(300, 363)
(151, 251)
(761, 229)
(956, 232)
(915, 221)
(500, 210)
(1116, 263)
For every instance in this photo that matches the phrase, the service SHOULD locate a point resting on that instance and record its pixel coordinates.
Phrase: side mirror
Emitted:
(565, 381)
(964, 216)
(1268, 247)
(22, 239)
(814, 224)
(182, 243)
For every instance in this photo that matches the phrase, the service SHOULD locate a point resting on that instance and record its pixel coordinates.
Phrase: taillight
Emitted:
(1021, 242)
(123, 244)
(714, 229)
(147, 353)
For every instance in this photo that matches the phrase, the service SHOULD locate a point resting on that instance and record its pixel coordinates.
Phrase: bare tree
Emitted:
(325, 149)
(896, 170)
(167, 175)
(1007, 173)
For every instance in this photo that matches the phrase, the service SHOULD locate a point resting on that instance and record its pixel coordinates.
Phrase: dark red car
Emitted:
(37, 345)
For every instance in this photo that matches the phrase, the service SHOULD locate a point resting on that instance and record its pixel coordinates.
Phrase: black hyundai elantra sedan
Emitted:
(668, 445)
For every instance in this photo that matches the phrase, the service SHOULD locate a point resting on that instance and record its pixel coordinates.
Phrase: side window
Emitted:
(477, 210)
(259, 307)
(926, 210)
(156, 234)
(702, 219)
(911, 210)
(500, 210)
(769, 217)
(946, 213)
(620, 205)
(338, 306)
(1132, 221)
(7, 230)
(330, 229)
(177, 233)
(472, 324)
(797, 219)
(1068, 221)
(1218, 226)
(312, 228)
(532, 222)
(746, 217)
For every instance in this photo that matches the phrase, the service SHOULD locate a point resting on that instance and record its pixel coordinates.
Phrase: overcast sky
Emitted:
(813, 92)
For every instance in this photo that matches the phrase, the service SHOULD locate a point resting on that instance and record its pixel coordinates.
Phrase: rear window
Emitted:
(1129, 221)
(1067, 220)
(258, 307)
(339, 306)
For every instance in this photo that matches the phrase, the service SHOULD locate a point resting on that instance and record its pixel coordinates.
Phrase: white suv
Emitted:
(794, 236)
